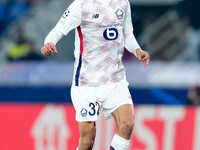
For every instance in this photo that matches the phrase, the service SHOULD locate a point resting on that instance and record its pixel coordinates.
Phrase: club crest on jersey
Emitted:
(66, 13)
(119, 14)
(83, 112)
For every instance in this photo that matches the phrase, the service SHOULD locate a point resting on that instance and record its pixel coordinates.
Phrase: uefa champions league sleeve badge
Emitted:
(66, 13)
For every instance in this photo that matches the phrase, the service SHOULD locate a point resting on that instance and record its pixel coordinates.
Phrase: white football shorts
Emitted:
(88, 101)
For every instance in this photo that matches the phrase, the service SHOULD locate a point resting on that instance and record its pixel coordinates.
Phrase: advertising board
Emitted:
(31, 126)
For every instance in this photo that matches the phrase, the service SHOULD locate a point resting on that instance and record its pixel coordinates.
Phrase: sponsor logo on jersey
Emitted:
(83, 112)
(66, 13)
(119, 14)
(95, 16)
(110, 25)
(110, 34)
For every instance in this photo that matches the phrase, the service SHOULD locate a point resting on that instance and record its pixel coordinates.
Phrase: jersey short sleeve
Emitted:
(70, 19)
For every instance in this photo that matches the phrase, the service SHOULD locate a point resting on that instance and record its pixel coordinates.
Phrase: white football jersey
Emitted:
(99, 41)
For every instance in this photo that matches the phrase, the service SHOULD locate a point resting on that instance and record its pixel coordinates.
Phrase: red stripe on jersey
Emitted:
(81, 39)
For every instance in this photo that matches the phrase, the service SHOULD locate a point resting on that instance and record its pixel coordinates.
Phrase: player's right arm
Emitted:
(48, 49)
(69, 20)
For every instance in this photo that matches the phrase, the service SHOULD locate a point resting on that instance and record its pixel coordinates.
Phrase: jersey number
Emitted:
(93, 109)
(110, 34)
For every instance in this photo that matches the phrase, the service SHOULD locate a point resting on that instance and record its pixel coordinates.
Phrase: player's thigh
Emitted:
(87, 130)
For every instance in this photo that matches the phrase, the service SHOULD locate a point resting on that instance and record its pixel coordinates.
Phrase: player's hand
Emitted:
(48, 49)
(142, 56)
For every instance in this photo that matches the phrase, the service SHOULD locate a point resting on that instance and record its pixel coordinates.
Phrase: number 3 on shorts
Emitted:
(93, 108)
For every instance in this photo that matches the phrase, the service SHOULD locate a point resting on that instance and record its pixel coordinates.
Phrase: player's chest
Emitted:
(104, 14)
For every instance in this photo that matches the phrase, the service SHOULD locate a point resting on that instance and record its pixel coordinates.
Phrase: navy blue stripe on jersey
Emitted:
(78, 70)
(80, 58)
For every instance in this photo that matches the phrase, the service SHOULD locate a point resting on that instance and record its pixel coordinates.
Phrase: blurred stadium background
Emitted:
(35, 107)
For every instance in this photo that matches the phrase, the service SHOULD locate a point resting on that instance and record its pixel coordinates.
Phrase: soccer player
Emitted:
(103, 29)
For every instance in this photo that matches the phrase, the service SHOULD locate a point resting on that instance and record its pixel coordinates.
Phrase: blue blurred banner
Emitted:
(159, 83)
(36, 73)
(159, 74)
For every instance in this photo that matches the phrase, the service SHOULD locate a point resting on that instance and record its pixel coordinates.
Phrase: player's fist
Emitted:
(48, 49)
(142, 56)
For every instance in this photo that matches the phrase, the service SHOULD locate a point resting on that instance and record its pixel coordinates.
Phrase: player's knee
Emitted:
(126, 127)
(87, 143)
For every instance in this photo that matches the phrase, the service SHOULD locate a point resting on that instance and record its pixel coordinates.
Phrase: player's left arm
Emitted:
(130, 42)
(142, 56)
(132, 46)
